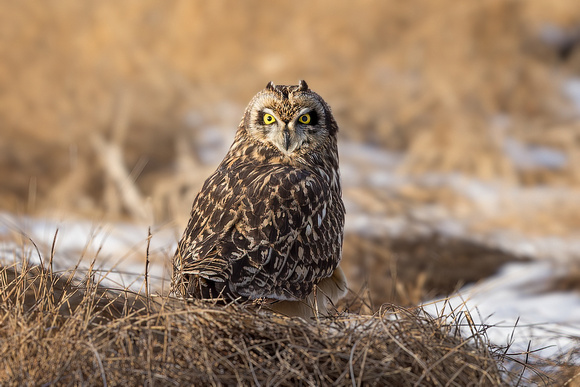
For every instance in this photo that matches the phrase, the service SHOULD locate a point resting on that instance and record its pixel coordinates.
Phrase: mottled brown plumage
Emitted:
(268, 223)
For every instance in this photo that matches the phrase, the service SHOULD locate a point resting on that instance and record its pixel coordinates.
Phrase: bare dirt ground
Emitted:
(406, 272)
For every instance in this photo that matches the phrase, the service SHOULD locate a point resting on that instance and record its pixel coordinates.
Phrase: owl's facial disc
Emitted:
(291, 119)
(291, 135)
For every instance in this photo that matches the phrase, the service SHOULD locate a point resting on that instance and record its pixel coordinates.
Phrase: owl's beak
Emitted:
(286, 138)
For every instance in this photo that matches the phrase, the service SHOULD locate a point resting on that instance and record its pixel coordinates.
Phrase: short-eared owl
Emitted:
(269, 222)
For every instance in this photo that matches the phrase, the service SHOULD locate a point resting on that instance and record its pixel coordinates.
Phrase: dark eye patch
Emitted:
(313, 117)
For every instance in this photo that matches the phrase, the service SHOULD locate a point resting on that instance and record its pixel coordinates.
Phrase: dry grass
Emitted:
(561, 371)
(55, 329)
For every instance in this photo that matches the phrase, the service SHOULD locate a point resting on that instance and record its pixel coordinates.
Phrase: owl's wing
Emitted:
(214, 211)
(256, 229)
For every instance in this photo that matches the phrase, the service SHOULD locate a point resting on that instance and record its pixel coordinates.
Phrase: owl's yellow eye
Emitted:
(269, 119)
(304, 118)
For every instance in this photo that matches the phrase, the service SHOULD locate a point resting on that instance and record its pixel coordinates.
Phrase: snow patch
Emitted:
(519, 311)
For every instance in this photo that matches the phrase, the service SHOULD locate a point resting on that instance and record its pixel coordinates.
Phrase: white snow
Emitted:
(115, 247)
(571, 89)
(525, 156)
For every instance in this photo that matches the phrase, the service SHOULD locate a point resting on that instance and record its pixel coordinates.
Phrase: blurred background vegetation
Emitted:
(444, 82)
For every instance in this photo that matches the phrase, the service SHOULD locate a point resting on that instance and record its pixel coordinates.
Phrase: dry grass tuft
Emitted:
(563, 370)
(55, 329)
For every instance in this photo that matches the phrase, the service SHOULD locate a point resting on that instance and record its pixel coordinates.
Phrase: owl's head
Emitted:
(293, 119)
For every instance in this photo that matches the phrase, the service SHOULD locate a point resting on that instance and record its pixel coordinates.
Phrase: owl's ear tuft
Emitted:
(270, 86)
(302, 85)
